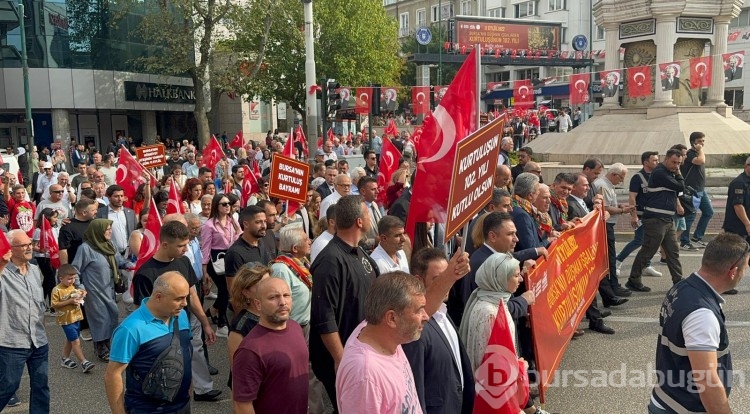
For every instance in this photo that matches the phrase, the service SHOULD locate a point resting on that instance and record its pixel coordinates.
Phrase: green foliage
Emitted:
(738, 160)
(410, 46)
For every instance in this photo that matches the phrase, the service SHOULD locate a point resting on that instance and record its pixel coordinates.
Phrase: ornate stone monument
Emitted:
(665, 35)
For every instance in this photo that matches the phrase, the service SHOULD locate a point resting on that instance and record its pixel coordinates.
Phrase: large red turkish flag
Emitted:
(362, 100)
(420, 99)
(129, 175)
(579, 88)
(238, 141)
(700, 72)
(523, 94)
(639, 81)
(452, 121)
(213, 153)
(389, 157)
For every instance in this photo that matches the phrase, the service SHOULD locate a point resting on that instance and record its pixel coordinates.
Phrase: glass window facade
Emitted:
(77, 34)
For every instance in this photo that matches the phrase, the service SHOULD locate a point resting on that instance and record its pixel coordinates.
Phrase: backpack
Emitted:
(164, 379)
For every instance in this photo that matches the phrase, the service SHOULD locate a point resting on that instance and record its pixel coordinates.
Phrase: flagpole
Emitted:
(479, 87)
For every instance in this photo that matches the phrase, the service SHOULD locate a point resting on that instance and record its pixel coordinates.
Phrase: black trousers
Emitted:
(222, 291)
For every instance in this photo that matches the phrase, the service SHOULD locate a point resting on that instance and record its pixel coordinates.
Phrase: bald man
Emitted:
(263, 382)
(138, 342)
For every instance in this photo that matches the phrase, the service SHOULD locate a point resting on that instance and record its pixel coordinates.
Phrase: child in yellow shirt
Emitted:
(67, 301)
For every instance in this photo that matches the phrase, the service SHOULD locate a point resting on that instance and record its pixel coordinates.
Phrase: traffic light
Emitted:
(334, 98)
(375, 100)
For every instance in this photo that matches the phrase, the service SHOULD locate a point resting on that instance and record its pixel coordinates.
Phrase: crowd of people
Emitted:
(334, 301)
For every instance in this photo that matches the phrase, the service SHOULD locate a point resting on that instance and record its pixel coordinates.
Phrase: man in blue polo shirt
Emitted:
(138, 342)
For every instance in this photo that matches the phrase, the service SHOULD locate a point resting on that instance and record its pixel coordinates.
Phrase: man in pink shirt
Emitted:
(374, 375)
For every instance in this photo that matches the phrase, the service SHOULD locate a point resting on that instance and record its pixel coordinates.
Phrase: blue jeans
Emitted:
(12, 361)
(707, 211)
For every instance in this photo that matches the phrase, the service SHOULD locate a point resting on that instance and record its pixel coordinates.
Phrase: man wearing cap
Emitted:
(46, 179)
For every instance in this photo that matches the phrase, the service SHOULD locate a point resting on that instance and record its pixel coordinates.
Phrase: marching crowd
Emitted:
(331, 301)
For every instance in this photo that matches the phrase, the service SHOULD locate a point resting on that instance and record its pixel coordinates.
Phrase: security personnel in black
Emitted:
(693, 358)
(738, 204)
(659, 207)
(518, 129)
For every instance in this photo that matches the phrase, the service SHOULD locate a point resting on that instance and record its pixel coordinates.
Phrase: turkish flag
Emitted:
(330, 135)
(389, 157)
(213, 153)
(291, 207)
(48, 243)
(129, 175)
(579, 88)
(289, 149)
(452, 121)
(501, 382)
(362, 100)
(700, 72)
(299, 136)
(174, 205)
(523, 94)
(420, 99)
(639, 81)
(4, 244)
(150, 241)
(238, 141)
(391, 129)
(250, 185)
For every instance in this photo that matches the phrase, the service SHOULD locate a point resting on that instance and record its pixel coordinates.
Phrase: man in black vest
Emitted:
(692, 350)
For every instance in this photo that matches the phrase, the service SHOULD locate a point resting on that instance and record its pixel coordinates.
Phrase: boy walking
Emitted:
(67, 301)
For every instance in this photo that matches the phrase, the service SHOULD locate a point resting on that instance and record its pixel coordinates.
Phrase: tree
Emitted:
(410, 46)
(182, 35)
(355, 43)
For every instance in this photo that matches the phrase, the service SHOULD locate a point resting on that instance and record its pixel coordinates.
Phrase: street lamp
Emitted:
(19, 12)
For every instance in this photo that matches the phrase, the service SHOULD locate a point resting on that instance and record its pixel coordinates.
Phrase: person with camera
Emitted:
(660, 204)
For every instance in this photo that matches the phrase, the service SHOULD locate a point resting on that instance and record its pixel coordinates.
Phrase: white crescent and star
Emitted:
(418, 97)
(698, 65)
(523, 90)
(643, 77)
(575, 85)
(364, 97)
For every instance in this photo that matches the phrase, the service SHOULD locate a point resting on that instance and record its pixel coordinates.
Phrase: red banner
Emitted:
(639, 81)
(289, 179)
(565, 285)
(700, 72)
(523, 94)
(388, 165)
(519, 34)
(579, 88)
(420, 99)
(362, 101)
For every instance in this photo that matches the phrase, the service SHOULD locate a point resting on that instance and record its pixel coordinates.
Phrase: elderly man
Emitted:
(525, 192)
(69, 195)
(55, 202)
(389, 255)
(606, 186)
(542, 203)
(45, 179)
(356, 174)
(343, 187)
(292, 266)
(503, 178)
(138, 342)
(694, 338)
(190, 167)
(23, 343)
(506, 146)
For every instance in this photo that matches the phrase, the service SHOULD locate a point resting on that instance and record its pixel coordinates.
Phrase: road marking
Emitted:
(634, 319)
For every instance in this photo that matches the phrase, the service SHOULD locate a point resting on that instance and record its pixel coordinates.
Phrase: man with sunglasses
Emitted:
(55, 202)
(693, 358)
(46, 179)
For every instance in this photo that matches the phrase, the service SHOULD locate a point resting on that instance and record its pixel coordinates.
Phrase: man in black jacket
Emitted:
(664, 185)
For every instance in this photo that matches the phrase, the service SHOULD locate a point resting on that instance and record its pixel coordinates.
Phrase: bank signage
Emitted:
(155, 92)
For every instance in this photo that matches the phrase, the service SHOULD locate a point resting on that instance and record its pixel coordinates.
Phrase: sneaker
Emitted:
(211, 295)
(699, 243)
(14, 401)
(68, 363)
(688, 246)
(650, 271)
(85, 335)
(222, 332)
(87, 366)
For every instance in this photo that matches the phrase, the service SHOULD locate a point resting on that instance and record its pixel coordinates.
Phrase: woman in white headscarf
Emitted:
(497, 278)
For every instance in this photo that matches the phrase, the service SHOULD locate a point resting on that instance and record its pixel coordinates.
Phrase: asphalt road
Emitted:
(626, 358)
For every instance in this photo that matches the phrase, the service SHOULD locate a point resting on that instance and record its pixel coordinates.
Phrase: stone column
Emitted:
(718, 47)
(148, 124)
(666, 37)
(423, 75)
(61, 129)
(611, 58)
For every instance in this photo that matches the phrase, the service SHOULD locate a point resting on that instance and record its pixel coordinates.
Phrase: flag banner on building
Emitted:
(174, 205)
(420, 100)
(610, 80)
(670, 75)
(639, 81)
(733, 65)
(389, 157)
(579, 88)
(700, 72)
(346, 97)
(496, 86)
(453, 120)
(362, 100)
(565, 285)
(523, 94)
(388, 99)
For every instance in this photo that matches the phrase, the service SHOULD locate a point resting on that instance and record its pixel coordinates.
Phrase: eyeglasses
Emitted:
(57, 192)
(224, 204)
(23, 246)
(745, 252)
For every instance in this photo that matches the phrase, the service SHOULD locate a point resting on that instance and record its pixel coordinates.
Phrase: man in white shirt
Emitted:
(564, 121)
(190, 167)
(322, 240)
(123, 218)
(389, 255)
(343, 186)
(46, 178)
(328, 153)
(108, 169)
